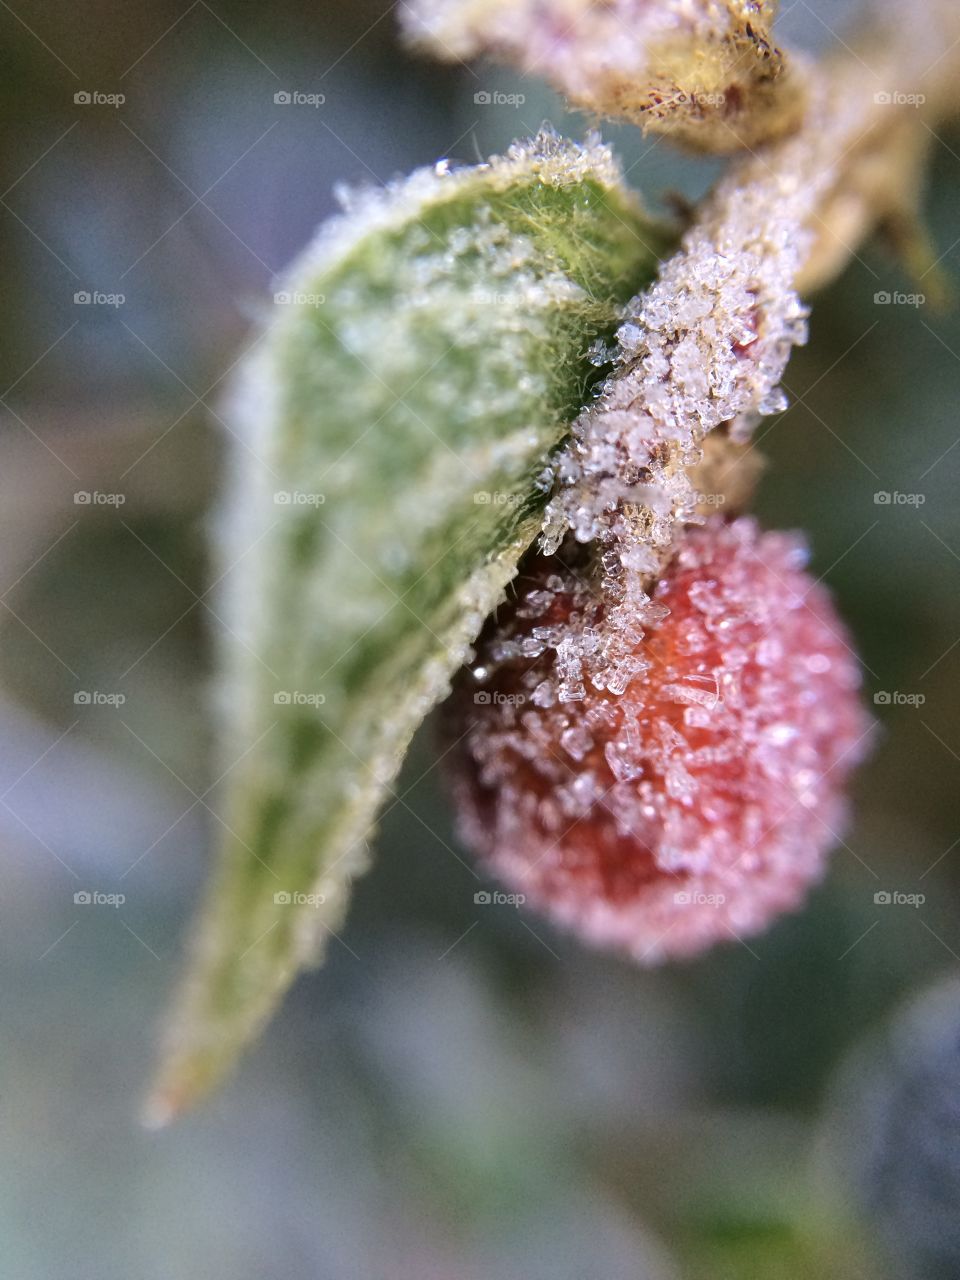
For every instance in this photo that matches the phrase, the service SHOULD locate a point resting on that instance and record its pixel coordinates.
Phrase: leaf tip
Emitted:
(183, 1079)
(158, 1111)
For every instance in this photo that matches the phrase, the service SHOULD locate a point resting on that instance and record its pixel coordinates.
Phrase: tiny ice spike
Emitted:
(696, 798)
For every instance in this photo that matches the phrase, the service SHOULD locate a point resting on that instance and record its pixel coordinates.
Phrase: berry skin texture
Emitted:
(698, 803)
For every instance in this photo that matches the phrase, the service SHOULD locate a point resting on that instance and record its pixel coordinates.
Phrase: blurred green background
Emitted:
(460, 1092)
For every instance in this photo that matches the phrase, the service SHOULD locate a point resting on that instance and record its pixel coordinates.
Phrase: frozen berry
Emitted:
(661, 772)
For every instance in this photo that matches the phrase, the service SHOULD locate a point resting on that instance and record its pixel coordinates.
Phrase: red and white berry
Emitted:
(693, 796)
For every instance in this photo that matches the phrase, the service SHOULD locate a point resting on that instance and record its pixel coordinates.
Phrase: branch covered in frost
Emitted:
(703, 72)
(705, 346)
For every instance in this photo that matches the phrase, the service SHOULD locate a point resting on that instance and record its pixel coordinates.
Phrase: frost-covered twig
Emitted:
(707, 343)
(704, 72)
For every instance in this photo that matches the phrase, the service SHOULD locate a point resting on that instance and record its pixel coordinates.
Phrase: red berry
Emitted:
(660, 774)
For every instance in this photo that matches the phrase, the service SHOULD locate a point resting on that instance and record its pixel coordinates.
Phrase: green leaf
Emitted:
(425, 358)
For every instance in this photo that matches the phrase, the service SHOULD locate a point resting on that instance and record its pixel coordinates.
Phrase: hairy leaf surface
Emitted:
(424, 359)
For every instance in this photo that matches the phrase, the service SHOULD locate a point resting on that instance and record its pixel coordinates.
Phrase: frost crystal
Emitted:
(548, 158)
(696, 799)
(701, 70)
(705, 345)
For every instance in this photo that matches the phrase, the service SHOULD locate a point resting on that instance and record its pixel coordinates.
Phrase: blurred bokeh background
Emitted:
(460, 1093)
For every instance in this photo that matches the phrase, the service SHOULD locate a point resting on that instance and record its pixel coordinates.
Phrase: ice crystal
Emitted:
(705, 345)
(698, 69)
(548, 157)
(696, 797)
